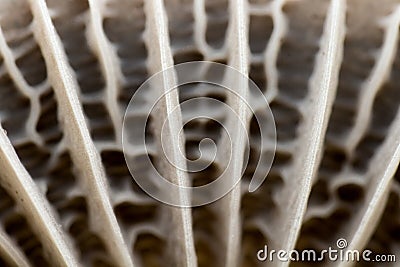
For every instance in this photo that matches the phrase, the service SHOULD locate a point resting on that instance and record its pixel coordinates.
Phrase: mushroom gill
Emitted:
(329, 69)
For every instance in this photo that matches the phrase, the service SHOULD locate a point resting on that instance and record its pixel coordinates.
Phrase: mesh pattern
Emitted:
(104, 219)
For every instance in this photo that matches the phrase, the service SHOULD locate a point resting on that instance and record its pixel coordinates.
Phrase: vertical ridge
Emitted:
(322, 85)
(160, 58)
(20, 185)
(83, 151)
(238, 59)
(380, 174)
(12, 255)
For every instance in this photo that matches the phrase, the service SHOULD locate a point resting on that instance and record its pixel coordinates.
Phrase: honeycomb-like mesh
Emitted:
(102, 218)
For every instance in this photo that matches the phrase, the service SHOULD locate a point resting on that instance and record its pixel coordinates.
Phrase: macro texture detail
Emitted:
(329, 70)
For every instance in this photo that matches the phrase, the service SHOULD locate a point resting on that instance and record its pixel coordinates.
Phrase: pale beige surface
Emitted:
(329, 69)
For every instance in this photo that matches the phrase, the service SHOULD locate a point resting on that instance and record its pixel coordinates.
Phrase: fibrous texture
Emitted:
(330, 71)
